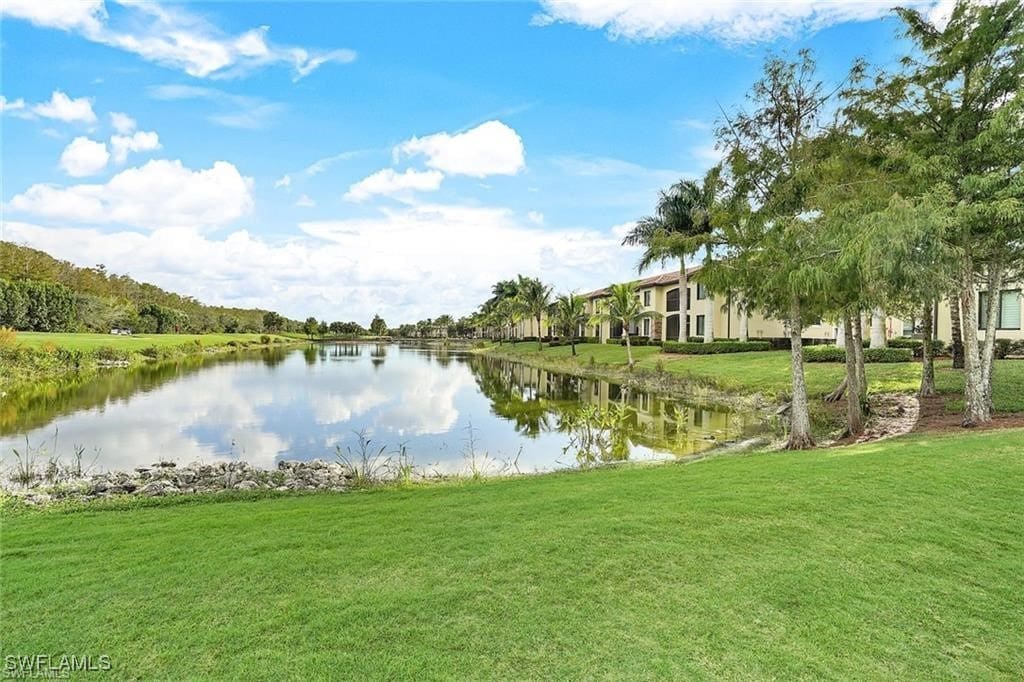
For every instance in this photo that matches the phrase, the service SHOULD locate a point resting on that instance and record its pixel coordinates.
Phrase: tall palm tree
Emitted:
(534, 299)
(681, 224)
(570, 313)
(623, 306)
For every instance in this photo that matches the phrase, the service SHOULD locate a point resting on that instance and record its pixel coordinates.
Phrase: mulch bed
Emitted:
(934, 417)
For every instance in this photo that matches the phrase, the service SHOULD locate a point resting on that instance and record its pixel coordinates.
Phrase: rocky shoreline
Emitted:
(167, 478)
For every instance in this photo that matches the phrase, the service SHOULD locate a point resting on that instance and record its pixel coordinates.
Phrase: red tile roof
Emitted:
(664, 279)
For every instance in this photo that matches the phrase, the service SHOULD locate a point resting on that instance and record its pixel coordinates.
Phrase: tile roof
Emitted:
(664, 279)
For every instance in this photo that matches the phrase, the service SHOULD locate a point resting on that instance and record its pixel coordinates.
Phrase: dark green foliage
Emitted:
(33, 305)
(91, 299)
(701, 348)
(836, 354)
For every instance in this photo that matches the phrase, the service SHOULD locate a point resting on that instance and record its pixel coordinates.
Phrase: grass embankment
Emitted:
(38, 356)
(898, 559)
(768, 373)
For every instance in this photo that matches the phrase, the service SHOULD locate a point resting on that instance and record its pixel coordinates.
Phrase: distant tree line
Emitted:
(40, 293)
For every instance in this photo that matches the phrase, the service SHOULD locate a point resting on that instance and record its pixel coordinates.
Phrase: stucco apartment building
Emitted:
(711, 317)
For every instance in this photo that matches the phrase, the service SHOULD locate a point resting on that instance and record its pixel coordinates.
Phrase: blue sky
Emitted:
(342, 159)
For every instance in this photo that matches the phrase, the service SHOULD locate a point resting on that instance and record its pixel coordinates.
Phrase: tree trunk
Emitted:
(995, 286)
(927, 357)
(877, 328)
(975, 407)
(744, 322)
(683, 312)
(858, 354)
(799, 413)
(841, 333)
(709, 320)
(629, 350)
(957, 342)
(854, 412)
(540, 343)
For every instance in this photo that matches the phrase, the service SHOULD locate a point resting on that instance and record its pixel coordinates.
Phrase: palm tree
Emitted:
(681, 224)
(623, 306)
(534, 298)
(570, 313)
(443, 323)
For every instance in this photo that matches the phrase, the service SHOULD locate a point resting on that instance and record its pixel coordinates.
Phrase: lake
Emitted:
(450, 409)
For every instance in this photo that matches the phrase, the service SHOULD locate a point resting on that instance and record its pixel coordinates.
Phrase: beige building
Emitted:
(710, 317)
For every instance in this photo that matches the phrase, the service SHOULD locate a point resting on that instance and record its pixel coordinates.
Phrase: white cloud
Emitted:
(171, 36)
(491, 148)
(159, 194)
(66, 15)
(64, 108)
(283, 181)
(305, 201)
(320, 165)
(84, 157)
(389, 183)
(235, 111)
(138, 141)
(123, 123)
(405, 262)
(729, 21)
(535, 217)
(11, 105)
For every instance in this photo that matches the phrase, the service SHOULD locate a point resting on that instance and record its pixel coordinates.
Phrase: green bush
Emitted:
(906, 342)
(264, 339)
(835, 354)
(110, 354)
(695, 348)
(695, 339)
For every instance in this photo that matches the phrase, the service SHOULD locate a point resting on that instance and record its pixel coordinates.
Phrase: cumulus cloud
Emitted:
(11, 105)
(729, 21)
(491, 148)
(305, 201)
(64, 108)
(392, 262)
(84, 157)
(159, 194)
(122, 123)
(389, 183)
(138, 141)
(171, 36)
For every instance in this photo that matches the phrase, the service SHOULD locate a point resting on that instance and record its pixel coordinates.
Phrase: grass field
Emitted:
(87, 342)
(768, 372)
(895, 560)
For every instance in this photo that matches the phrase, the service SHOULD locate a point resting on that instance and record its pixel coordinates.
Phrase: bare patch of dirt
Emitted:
(935, 417)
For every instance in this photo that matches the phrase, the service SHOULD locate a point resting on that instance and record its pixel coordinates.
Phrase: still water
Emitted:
(447, 407)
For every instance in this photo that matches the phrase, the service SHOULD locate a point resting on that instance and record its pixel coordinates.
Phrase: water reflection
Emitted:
(303, 403)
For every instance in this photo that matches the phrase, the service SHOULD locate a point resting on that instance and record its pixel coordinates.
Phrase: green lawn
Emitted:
(87, 342)
(768, 372)
(895, 560)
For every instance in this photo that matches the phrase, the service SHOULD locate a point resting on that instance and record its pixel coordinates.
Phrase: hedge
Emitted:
(837, 354)
(692, 348)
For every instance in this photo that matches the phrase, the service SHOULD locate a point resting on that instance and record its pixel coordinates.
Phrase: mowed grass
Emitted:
(896, 560)
(88, 342)
(769, 372)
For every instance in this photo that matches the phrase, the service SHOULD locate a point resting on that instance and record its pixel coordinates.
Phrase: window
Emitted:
(647, 326)
(647, 298)
(1009, 310)
(672, 327)
(702, 293)
(689, 303)
(909, 327)
(672, 300)
(700, 325)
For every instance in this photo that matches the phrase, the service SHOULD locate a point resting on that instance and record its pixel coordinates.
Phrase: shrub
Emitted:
(150, 352)
(590, 339)
(264, 339)
(529, 338)
(695, 348)
(233, 343)
(695, 339)
(837, 354)
(110, 354)
(654, 342)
